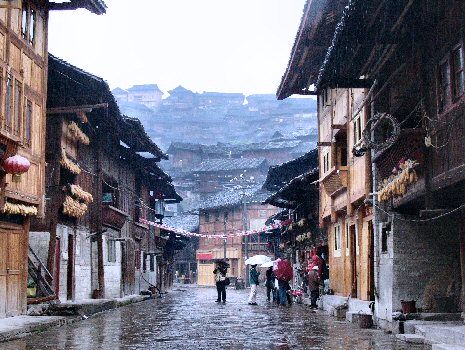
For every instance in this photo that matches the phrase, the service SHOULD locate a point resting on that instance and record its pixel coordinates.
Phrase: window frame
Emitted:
(28, 16)
(454, 72)
(28, 121)
(446, 83)
(111, 250)
(337, 240)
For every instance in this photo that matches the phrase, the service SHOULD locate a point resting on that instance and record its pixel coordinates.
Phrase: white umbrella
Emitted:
(268, 264)
(257, 260)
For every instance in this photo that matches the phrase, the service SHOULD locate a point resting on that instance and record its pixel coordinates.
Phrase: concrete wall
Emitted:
(112, 270)
(83, 270)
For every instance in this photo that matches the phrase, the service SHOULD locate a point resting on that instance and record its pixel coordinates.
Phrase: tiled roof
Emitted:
(118, 90)
(230, 164)
(234, 197)
(281, 174)
(188, 222)
(144, 87)
(318, 22)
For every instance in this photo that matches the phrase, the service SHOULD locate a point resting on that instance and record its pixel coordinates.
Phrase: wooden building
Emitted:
(295, 190)
(102, 179)
(409, 58)
(231, 211)
(23, 72)
(415, 126)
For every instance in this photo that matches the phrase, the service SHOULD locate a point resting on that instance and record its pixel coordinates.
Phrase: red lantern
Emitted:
(16, 165)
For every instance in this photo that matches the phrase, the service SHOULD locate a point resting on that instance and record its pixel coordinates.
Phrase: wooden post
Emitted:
(70, 270)
(462, 266)
(98, 207)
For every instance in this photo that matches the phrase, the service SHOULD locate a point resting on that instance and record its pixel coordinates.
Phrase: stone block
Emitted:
(411, 338)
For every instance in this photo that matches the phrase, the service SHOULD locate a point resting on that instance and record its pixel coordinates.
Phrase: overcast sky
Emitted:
(205, 45)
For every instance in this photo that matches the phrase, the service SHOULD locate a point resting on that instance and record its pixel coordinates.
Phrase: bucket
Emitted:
(365, 321)
(408, 306)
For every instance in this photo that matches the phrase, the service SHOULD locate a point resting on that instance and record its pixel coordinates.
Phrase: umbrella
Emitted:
(268, 264)
(257, 260)
(221, 262)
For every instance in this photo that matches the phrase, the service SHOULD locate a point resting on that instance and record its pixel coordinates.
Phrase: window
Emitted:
(17, 109)
(347, 227)
(137, 260)
(111, 244)
(326, 162)
(386, 229)
(28, 122)
(217, 216)
(225, 216)
(337, 240)
(28, 23)
(8, 102)
(152, 262)
(451, 78)
(358, 128)
(444, 86)
(144, 262)
(207, 217)
(343, 155)
(457, 66)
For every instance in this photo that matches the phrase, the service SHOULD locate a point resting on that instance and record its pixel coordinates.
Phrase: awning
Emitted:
(205, 256)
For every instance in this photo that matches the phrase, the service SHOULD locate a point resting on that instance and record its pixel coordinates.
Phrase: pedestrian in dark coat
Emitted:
(269, 282)
(220, 278)
(314, 282)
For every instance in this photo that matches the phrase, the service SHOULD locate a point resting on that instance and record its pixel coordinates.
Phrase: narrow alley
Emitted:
(188, 318)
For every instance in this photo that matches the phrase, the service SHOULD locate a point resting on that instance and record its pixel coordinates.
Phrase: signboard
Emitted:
(205, 256)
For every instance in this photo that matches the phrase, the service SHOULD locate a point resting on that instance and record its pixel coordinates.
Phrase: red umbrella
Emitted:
(283, 270)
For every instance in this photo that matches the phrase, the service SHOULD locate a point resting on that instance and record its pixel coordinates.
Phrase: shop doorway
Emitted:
(12, 271)
(353, 260)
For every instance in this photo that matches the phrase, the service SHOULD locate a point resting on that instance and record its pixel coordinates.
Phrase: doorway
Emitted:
(13, 247)
(353, 260)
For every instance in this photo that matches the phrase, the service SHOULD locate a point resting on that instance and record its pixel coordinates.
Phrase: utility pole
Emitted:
(224, 240)
(246, 238)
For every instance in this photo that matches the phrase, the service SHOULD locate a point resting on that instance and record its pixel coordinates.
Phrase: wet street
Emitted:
(188, 318)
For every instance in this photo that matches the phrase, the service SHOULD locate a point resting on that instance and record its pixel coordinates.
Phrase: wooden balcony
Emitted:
(113, 217)
(448, 158)
(257, 247)
(335, 181)
(339, 201)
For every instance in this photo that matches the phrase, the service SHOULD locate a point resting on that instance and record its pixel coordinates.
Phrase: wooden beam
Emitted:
(54, 6)
(76, 109)
(352, 83)
(323, 144)
(339, 126)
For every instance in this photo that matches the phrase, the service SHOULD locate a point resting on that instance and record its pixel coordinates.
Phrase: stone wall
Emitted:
(426, 261)
(421, 264)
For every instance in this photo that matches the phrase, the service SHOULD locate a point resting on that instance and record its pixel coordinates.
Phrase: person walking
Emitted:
(220, 279)
(284, 286)
(314, 282)
(269, 283)
(253, 276)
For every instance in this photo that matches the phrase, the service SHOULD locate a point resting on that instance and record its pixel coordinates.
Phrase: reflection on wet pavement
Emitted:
(188, 318)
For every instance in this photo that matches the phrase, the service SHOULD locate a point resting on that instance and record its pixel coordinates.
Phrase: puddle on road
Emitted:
(190, 319)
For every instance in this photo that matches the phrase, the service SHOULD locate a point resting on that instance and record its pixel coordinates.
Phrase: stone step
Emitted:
(452, 335)
(447, 347)
(411, 338)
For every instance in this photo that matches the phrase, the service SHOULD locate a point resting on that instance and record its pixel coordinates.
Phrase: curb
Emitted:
(36, 324)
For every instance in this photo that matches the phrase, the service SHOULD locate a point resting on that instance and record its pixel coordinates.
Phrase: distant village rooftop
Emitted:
(215, 165)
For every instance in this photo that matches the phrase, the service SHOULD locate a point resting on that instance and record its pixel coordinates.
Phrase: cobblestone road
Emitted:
(188, 318)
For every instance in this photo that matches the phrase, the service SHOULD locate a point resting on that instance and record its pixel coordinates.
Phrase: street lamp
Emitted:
(159, 207)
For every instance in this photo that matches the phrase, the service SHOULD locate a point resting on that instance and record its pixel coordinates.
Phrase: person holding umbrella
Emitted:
(220, 279)
(253, 285)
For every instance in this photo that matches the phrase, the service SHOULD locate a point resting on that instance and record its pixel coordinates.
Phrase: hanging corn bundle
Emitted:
(66, 163)
(77, 192)
(19, 209)
(398, 183)
(74, 208)
(77, 133)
